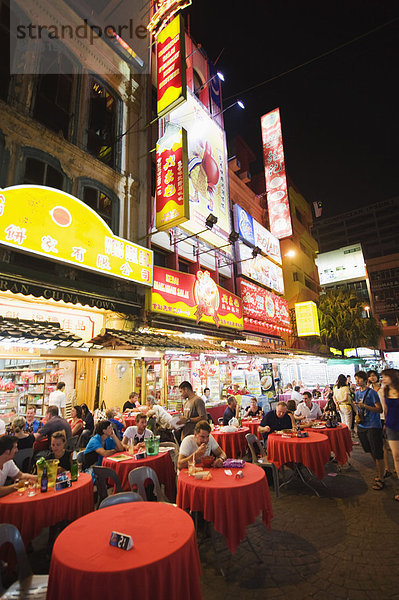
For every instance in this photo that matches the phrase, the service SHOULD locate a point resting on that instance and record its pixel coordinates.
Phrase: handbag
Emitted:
(360, 416)
(99, 413)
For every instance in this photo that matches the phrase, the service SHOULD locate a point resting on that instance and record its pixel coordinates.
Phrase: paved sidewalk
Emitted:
(343, 545)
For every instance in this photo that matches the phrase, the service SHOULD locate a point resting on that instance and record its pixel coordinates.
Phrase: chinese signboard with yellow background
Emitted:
(195, 297)
(172, 204)
(171, 67)
(307, 320)
(208, 185)
(53, 224)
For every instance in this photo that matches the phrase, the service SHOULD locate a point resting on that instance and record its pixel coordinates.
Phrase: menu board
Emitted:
(253, 383)
(267, 380)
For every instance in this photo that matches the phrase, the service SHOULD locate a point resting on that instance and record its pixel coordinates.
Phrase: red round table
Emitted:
(233, 443)
(229, 503)
(129, 420)
(162, 565)
(162, 465)
(32, 514)
(253, 426)
(313, 451)
(216, 412)
(320, 401)
(340, 441)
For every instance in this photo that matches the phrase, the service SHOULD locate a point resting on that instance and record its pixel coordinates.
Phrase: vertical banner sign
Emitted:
(171, 67)
(172, 200)
(276, 182)
(307, 319)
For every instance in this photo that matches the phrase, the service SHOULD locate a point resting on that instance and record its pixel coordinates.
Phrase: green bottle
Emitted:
(74, 467)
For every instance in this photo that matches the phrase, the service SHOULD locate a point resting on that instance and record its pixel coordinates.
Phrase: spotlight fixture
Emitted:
(233, 237)
(210, 221)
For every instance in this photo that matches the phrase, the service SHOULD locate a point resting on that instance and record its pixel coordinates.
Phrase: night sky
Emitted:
(339, 114)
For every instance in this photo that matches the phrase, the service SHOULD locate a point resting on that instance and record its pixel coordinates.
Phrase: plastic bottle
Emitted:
(74, 466)
(44, 481)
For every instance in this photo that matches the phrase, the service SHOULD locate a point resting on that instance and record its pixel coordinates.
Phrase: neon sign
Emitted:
(166, 10)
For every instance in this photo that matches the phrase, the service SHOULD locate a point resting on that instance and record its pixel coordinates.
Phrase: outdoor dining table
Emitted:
(313, 451)
(233, 443)
(253, 426)
(216, 412)
(161, 463)
(229, 503)
(32, 513)
(162, 565)
(340, 441)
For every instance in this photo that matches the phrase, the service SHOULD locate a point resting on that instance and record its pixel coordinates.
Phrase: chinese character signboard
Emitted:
(171, 67)
(195, 297)
(254, 233)
(276, 182)
(53, 224)
(208, 185)
(172, 205)
(260, 269)
(263, 311)
(307, 320)
(165, 9)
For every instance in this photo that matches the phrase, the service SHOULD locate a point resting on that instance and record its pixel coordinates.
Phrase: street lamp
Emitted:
(239, 102)
(218, 74)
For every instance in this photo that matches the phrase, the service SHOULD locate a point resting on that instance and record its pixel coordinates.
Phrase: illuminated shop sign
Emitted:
(254, 233)
(344, 264)
(165, 9)
(307, 319)
(263, 311)
(171, 67)
(276, 182)
(208, 184)
(195, 297)
(172, 204)
(53, 224)
(260, 269)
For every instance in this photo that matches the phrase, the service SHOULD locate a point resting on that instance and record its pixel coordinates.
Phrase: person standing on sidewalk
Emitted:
(369, 428)
(374, 383)
(390, 399)
(193, 409)
(342, 399)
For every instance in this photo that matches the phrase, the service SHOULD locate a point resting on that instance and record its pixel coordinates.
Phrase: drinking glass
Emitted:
(32, 488)
(21, 487)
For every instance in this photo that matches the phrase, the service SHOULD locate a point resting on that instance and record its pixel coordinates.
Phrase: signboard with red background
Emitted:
(276, 182)
(263, 311)
(195, 297)
(172, 203)
(171, 67)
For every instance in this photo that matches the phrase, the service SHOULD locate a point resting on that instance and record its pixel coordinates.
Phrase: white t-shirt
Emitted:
(131, 434)
(2, 427)
(296, 396)
(57, 398)
(189, 446)
(163, 418)
(309, 413)
(9, 469)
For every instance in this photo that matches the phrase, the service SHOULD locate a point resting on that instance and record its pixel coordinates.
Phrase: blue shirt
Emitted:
(118, 425)
(95, 443)
(35, 426)
(371, 419)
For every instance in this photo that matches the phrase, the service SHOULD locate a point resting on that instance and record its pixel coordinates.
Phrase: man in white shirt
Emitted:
(8, 468)
(58, 398)
(136, 434)
(295, 395)
(207, 395)
(194, 447)
(307, 410)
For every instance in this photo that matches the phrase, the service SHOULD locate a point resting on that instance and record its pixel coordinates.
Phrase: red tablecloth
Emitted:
(340, 441)
(216, 412)
(253, 427)
(313, 451)
(162, 465)
(32, 514)
(130, 420)
(39, 445)
(322, 403)
(163, 564)
(229, 503)
(232, 442)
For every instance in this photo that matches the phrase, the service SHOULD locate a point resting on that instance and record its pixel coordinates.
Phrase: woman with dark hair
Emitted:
(87, 418)
(76, 421)
(342, 399)
(59, 451)
(330, 407)
(103, 443)
(389, 395)
(25, 440)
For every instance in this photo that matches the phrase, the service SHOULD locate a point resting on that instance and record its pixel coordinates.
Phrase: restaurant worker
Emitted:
(8, 468)
(102, 444)
(138, 433)
(32, 424)
(307, 409)
(193, 409)
(53, 423)
(207, 395)
(194, 447)
(231, 410)
(58, 398)
(275, 420)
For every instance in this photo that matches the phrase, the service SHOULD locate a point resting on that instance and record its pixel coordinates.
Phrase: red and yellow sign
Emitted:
(276, 182)
(165, 10)
(307, 319)
(53, 224)
(263, 311)
(171, 67)
(195, 297)
(172, 201)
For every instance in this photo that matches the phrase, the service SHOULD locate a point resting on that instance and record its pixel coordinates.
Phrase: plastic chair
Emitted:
(101, 475)
(121, 498)
(220, 421)
(173, 451)
(259, 457)
(23, 459)
(139, 476)
(28, 585)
